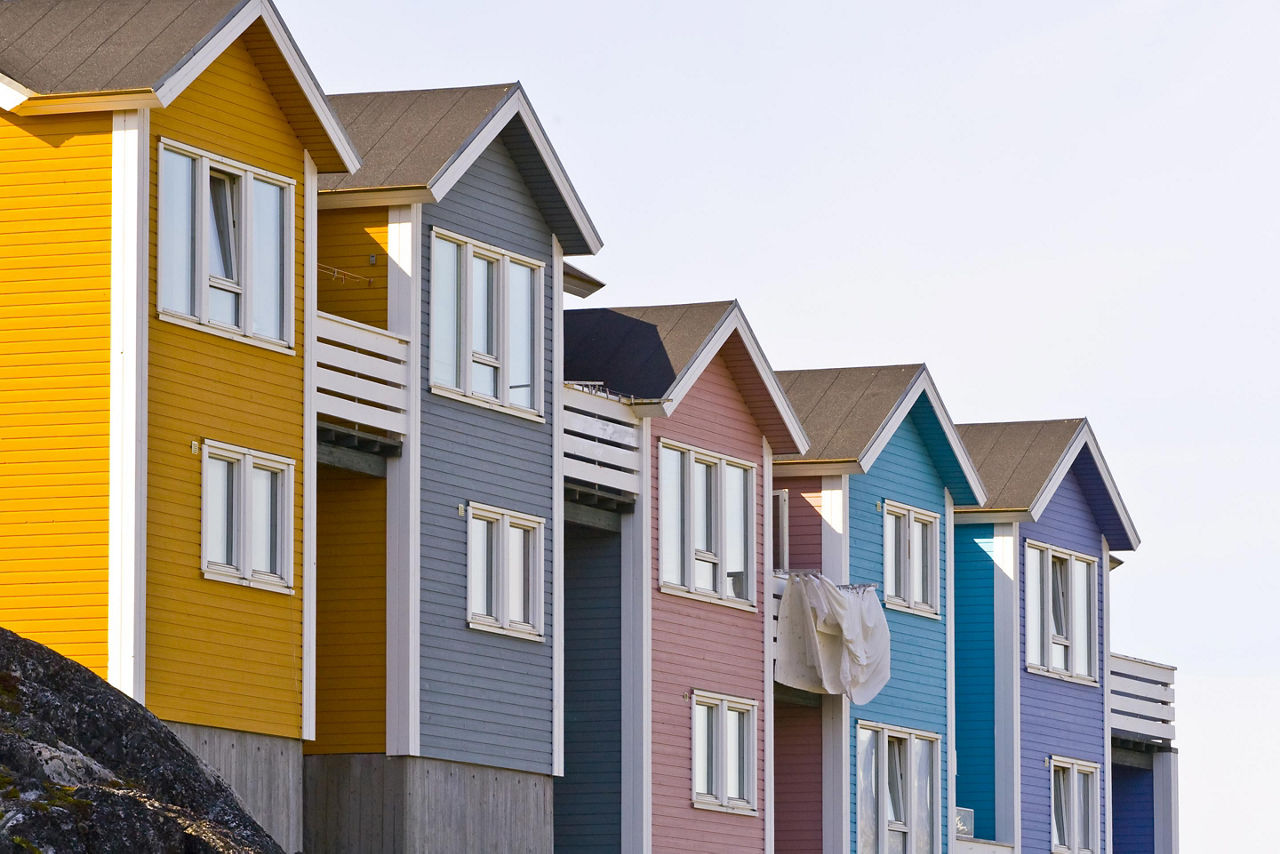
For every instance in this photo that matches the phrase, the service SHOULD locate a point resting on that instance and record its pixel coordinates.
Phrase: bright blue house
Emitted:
(872, 503)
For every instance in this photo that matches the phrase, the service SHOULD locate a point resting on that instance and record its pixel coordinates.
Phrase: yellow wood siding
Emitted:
(351, 608)
(55, 336)
(347, 240)
(220, 654)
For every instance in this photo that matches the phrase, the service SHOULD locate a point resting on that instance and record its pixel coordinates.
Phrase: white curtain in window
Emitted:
(868, 793)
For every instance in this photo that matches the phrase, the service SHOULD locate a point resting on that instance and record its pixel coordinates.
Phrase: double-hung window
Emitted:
(486, 323)
(1061, 606)
(911, 558)
(706, 523)
(898, 780)
(226, 245)
(724, 752)
(504, 571)
(1074, 794)
(247, 516)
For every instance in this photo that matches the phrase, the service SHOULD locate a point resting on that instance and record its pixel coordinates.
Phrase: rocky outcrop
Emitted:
(85, 768)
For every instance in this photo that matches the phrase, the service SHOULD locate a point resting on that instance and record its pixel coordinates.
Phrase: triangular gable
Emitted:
(1084, 458)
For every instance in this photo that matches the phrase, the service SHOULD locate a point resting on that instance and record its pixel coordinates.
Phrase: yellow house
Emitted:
(158, 179)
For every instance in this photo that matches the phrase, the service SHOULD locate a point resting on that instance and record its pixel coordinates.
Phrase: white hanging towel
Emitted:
(832, 640)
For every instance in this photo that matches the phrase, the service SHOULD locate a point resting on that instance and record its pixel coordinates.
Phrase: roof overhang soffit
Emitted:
(1085, 439)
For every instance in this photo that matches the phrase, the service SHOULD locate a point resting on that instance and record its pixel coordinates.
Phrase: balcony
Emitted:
(1140, 695)
(361, 376)
(601, 445)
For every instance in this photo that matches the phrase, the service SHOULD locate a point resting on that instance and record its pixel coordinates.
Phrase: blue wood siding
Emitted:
(1134, 823)
(975, 675)
(916, 695)
(1059, 717)
(486, 699)
(588, 798)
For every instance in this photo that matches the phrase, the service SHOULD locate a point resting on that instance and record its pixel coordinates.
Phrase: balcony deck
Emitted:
(1140, 695)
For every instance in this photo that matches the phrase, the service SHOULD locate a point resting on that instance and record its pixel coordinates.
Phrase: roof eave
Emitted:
(1083, 438)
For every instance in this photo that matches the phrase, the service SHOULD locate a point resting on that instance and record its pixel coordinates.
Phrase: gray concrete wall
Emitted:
(376, 803)
(264, 771)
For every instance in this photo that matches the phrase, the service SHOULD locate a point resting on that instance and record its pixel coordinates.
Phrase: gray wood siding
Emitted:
(486, 699)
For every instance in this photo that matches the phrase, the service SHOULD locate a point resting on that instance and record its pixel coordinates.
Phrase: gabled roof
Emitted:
(656, 353)
(88, 55)
(852, 414)
(1024, 462)
(417, 144)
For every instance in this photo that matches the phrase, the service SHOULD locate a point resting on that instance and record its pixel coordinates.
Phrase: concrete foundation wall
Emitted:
(264, 771)
(371, 802)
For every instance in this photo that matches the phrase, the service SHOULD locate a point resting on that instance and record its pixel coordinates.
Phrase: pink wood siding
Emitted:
(797, 778)
(703, 645)
(805, 517)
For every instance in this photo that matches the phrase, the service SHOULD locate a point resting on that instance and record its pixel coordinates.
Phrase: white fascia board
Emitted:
(331, 200)
(815, 468)
(1085, 438)
(12, 93)
(517, 104)
(992, 517)
(182, 76)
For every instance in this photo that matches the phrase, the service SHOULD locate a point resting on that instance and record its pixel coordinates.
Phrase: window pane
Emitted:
(781, 525)
(703, 505)
(704, 575)
(265, 506)
(735, 530)
(482, 337)
(868, 793)
(177, 232)
(1061, 805)
(519, 567)
(222, 226)
(446, 284)
(484, 379)
(224, 307)
(1058, 596)
(897, 766)
(704, 749)
(671, 514)
(922, 800)
(893, 585)
(736, 748)
(921, 553)
(1084, 810)
(1081, 637)
(897, 842)
(221, 508)
(480, 566)
(520, 322)
(1035, 651)
(268, 260)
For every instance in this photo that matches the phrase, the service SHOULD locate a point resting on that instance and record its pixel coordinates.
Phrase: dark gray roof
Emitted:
(75, 46)
(842, 409)
(1015, 459)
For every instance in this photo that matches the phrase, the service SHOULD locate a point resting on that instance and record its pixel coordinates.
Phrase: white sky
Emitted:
(1064, 208)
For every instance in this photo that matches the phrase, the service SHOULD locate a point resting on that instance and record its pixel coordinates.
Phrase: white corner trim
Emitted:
(310, 286)
(835, 528)
(836, 806)
(1007, 638)
(1018, 593)
(1104, 675)
(12, 93)
(557, 509)
(770, 646)
(127, 528)
(949, 738)
(1084, 438)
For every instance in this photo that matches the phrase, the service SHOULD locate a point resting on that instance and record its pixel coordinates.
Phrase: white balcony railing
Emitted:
(361, 374)
(1140, 697)
(601, 440)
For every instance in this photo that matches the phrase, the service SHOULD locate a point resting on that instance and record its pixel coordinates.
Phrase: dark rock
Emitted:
(85, 768)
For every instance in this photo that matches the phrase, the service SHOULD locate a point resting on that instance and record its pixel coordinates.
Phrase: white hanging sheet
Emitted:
(831, 639)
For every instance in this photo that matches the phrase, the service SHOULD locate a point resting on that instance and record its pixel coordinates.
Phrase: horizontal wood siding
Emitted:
(975, 671)
(220, 654)
(351, 613)
(486, 699)
(1134, 822)
(797, 778)
(804, 517)
(589, 796)
(348, 238)
(916, 695)
(55, 350)
(702, 645)
(1059, 717)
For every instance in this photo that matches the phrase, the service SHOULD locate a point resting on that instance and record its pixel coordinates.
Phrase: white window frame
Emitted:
(897, 600)
(781, 522)
(687, 586)
(720, 800)
(1076, 769)
(882, 733)
(503, 260)
(203, 281)
(241, 572)
(501, 622)
(1076, 562)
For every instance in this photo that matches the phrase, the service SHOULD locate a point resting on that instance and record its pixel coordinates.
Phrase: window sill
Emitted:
(1065, 677)
(716, 806)
(272, 585)
(485, 403)
(229, 334)
(675, 590)
(495, 629)
(898, 605)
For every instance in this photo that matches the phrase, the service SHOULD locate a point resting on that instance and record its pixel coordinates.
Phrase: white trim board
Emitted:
(310, 287)
(557, 506)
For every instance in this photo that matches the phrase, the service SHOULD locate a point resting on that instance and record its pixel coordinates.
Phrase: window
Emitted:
(504, 571)
(247, 517)
(225, 253)
(781, 531)
(1061, 608)
(897, 794)
(724, 752)
(486, 323)
(910, 558)
(1074, 793)
(705, 520)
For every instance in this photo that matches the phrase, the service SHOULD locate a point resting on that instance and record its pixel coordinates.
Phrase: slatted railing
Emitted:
(601, 441)
(1141, 699)
(361, 374)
